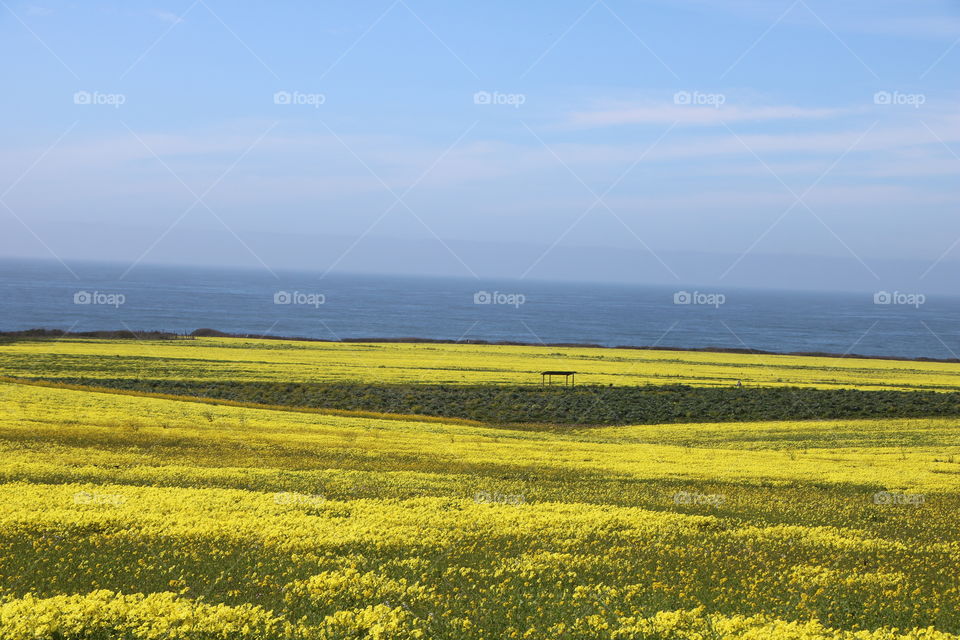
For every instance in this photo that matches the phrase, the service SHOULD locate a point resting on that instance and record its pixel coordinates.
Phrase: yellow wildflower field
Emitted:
(138, 517)
(292, 361)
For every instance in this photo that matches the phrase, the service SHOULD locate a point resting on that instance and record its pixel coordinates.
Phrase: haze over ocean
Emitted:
(36, 294)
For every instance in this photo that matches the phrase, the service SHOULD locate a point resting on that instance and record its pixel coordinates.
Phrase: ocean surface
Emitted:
(36, 294)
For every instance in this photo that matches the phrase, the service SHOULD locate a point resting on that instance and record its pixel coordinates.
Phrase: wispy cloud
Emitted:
(915, 26)
(697, 115)
(166, 16)
(314, 166)
(35, 10)
(918, 19)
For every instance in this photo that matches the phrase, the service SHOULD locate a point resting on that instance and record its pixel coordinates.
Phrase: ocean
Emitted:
(42, 294)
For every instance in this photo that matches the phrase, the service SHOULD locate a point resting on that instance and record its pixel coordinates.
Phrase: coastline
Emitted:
(28, 334)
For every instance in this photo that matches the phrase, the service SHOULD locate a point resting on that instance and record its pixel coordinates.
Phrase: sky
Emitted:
(787, 144)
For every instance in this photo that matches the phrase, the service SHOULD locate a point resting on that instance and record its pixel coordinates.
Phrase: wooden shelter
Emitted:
(569, 377)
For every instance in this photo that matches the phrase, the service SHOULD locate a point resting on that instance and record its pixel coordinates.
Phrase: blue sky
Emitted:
(682, 141)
